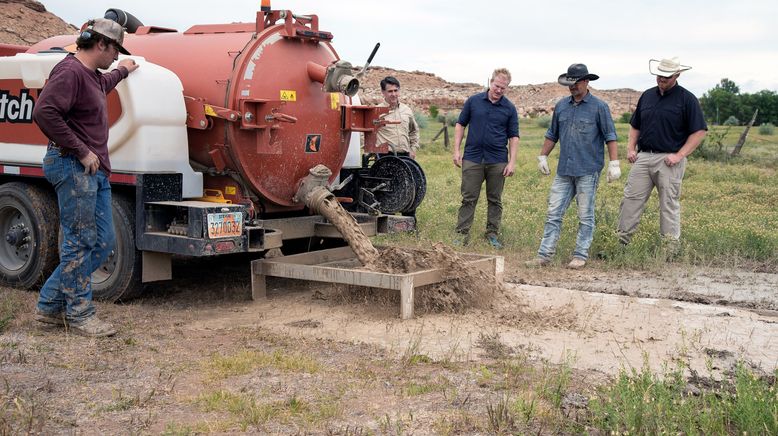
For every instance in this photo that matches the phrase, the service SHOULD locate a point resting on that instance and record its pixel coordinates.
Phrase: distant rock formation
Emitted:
(25, 22)
(420, 90)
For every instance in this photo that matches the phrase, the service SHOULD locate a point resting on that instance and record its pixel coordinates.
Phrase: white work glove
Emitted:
(614, 171)
(543, 165)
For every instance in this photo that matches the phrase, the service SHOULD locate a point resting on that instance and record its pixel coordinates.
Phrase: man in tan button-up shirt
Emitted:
(405, 135)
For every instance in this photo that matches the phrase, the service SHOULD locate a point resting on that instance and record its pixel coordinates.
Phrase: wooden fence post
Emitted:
(742, 140)
(443, 131)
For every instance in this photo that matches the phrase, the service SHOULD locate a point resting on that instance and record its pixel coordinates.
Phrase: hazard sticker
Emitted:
(334, 100)
(209, 110)
(288, 95)
(313, 143)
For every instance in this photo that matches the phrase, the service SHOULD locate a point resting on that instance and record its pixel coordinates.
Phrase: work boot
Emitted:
(576, 263)
(461, 240)
(93, 327)
(494, 242)
(50, 318)
(624, 238)
(537, 262)
(671, 248)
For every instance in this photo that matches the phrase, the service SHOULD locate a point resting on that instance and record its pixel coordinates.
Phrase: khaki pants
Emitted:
(649, 171)
(473, 176)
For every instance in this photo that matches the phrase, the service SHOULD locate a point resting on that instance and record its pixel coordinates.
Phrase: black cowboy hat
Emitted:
(575, 73)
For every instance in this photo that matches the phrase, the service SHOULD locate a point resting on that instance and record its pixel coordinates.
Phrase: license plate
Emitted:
(224, 225)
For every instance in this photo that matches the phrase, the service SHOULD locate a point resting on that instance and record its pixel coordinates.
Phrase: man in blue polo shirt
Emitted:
(667, 126)
(582, 124)
(494, 123)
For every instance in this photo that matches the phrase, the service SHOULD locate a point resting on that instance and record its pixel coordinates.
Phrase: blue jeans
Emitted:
(563, 189)
(86, 220)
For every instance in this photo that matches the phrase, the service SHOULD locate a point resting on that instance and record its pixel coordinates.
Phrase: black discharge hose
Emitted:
(125, 19)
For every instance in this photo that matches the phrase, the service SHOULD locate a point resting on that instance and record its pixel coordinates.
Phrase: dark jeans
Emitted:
(473, 176)
(86, 220)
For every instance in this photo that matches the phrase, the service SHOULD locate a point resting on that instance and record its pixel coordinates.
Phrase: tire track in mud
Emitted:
(742, 289)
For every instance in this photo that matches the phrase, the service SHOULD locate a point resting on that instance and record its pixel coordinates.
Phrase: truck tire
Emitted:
(119, 277)
(29, 224)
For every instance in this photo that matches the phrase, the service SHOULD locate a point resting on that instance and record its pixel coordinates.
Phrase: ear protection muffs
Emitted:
(86, 30)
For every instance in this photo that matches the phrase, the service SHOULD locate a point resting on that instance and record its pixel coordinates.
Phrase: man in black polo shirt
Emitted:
(490, 154)
(666, 127)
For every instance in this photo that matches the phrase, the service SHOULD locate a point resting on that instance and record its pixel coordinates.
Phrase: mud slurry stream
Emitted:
(331, 209)
(464, 285)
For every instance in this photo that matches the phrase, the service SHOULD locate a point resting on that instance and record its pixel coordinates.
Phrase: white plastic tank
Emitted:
(149, 136)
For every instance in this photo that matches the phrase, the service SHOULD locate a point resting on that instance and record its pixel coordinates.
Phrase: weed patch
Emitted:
(220, 367)
(122, 401)
(10, 304)
(247, 412)
(499, 416)
(21, 414)
(415, 388)
(643, 402)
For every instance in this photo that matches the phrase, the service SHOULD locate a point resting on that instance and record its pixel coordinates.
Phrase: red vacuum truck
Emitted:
(211, 140)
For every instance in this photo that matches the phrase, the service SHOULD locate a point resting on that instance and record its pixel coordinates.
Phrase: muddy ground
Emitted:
(310, 362)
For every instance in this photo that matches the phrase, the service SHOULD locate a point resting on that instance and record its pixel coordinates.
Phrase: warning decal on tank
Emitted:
(334, 100)
(313, 143)
(209, 110)
(288, 95)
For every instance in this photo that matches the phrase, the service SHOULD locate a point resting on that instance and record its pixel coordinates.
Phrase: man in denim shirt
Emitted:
(581, 123)
(494, 123)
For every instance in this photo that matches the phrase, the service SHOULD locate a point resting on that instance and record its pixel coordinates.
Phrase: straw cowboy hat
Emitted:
(666, 67)
(575, 73)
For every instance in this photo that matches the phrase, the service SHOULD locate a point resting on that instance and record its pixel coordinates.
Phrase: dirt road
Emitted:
(187, 357)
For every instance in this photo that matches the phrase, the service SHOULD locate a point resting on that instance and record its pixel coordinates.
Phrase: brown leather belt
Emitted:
(62, 152)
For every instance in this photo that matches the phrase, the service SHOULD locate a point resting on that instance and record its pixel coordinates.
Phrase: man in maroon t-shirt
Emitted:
(72, 112)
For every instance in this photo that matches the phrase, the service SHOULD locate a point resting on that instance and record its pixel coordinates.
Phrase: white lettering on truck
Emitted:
(15, 109)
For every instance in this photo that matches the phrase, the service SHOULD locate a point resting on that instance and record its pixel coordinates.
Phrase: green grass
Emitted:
(643, 402)
(531, 395)
(198, 428)
(729, 209)
(122, 401)
(415, 388)
(244, 362)
(22, 414)
(10, 305)
(248, 412)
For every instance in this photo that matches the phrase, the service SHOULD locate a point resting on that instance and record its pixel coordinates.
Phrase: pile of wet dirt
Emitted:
(464, 286)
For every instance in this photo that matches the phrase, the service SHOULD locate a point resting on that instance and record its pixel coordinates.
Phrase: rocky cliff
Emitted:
(420, 90)
(25, 22)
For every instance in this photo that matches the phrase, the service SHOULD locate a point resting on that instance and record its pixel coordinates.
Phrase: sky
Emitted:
(463, 41)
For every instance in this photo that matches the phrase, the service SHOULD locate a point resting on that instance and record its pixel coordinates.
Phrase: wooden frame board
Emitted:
(337, 265)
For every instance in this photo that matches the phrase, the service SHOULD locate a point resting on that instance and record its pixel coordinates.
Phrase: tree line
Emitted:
(724, 104)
